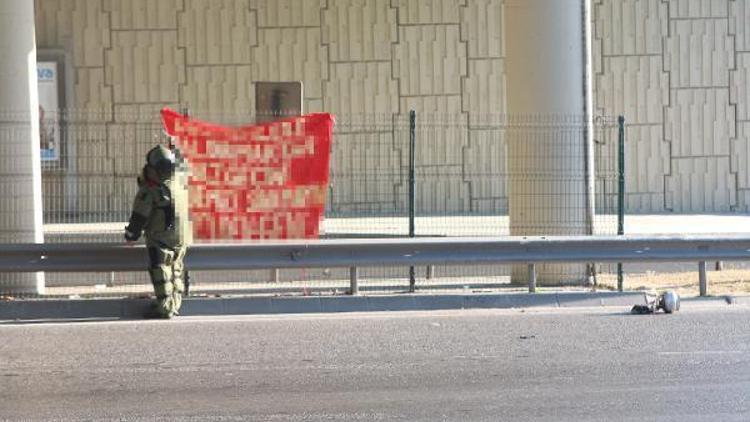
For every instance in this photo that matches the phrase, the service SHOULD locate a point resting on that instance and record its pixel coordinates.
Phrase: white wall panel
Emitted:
(482, 27)
(485, 170)
(646, 163)
(288, 13)
(219, 88)
(215, 32)
(634, 86)
(679, 70)
(413, 12)
(78, 24)
(291, 54)
(700, 122)
(740, 160)
(688, 9)
(700, 185)
(365, 87)
(740, 86)
(359, 30)
(739, 23)
(143, 14)
(699, 53)
(630, 27)
(144, 66)
(429, 60)
(484, 89)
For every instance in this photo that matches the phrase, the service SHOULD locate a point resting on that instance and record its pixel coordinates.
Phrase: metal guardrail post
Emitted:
(702, 279)
(353, 280)
(620, 192)
(412, 188)
(430, 272)
(274, 275)
(532, 278)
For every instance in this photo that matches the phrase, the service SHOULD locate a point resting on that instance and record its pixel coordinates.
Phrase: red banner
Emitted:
(265, 181)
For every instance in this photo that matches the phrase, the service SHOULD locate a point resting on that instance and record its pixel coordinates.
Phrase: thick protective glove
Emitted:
(131, 236)
(135, 227)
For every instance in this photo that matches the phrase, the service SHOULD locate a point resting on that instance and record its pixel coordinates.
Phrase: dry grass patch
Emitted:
(724, 282)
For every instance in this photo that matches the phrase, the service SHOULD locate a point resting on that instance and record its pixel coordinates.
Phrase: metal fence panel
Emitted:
(462, 178)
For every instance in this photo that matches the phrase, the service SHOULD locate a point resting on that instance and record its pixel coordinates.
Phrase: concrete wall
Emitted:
(677, 69)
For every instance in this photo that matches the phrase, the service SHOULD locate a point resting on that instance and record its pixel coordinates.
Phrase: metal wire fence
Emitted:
(473, 176)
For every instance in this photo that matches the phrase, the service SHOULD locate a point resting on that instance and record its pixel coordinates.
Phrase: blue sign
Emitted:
(45, 74)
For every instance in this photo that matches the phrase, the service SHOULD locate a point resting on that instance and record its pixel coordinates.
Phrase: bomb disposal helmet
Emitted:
(669, 302)
(161, 159)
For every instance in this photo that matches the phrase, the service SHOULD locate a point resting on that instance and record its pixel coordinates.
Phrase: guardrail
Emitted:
(93, 257)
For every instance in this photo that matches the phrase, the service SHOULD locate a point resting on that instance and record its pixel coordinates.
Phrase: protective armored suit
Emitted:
(160, 213)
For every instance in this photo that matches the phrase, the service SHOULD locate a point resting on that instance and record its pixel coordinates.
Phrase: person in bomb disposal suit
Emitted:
(160, 212)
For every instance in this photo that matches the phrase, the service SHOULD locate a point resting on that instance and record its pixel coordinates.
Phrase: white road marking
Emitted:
(704, 352)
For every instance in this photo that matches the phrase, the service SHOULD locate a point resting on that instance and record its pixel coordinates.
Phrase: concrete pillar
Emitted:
(20, 169)
(547, 93)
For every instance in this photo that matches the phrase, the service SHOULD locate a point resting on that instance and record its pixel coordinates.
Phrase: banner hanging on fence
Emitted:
(264, 181)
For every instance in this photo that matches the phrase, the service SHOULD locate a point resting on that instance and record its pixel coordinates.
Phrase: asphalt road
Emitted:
(562, 365)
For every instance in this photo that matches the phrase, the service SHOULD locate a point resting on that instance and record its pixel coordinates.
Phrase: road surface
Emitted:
(485, 365)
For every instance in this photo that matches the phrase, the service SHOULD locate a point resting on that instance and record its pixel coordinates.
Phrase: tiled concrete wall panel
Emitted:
(484, 89)
(291, 54)
(288, 13)
(53, 20)
(146, 114)
(739, 23)
(366, 167)
(219, 88)
(54, 192)
(445, 105)
(740, 86)
(365, 87)
(143, 14)
(372, 155)
(646, 163)
(644, 202)
(702, 184)
(699, 53)
(700, 122)
(313, 105)
(740, 158)
(443, 196)
(215, 32)
(484, 168)
(635, 86)
(439, 167)
(90, 91)
(145, 66)
(688, 9)
(630, 27)
(130, 154)
(677, 69)
(78, 24)
(94, 161)
(437, 195)
(440, 144)
(429, 60)
(482, 28)
(359, 30)
(427, 11)
(95, 197)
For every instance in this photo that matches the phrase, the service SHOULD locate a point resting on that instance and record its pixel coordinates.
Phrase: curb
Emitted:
(43, 309)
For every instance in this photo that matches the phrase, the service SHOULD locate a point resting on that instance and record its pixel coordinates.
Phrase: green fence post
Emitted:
(620, 191)
(412, 183)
